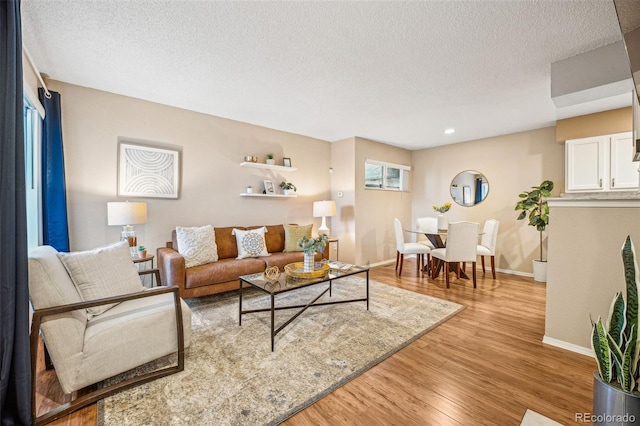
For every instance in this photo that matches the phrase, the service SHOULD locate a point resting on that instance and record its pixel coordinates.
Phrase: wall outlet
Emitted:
(340, 194)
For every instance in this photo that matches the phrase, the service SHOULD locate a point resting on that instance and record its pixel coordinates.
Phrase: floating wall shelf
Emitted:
(244, 194)
(268, 166)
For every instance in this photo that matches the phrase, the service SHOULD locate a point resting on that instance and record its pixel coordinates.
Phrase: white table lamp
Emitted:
(323, 209)
(127, 214)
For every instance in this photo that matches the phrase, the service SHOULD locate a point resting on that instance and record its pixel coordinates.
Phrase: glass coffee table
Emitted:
(285, 284)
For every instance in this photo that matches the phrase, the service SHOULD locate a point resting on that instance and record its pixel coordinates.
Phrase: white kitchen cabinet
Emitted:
(601, 163)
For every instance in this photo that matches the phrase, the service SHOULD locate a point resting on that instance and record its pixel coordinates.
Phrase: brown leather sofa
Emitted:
(223, 275)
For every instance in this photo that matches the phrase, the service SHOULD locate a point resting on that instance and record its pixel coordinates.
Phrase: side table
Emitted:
(141, 265)
(337, 242)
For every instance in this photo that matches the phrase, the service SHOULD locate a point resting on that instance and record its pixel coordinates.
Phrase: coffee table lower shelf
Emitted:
(254, 280)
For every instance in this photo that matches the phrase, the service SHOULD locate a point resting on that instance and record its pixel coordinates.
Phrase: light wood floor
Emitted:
(486, 365)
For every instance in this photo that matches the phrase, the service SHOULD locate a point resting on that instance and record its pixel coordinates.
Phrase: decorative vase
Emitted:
(443, 223)
(309, 262)
(287, 191)
(611, 405)
(540, 271)
(142, 254)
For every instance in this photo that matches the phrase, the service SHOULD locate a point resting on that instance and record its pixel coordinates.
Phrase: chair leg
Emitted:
(397, 260)
(464, 267)
(493, 266)
(428, 264)
(482, 260)
(473, 265)
(446, 272)
(401, 263)
(418, 263)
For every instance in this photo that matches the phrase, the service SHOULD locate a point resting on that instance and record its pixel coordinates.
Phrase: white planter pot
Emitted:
(249, 190)
(271, 161)
(540, 271)
(286, 191)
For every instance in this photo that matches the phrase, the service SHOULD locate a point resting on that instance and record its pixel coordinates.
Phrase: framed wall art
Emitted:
(286, 162)
(269, 188)
(148, 171)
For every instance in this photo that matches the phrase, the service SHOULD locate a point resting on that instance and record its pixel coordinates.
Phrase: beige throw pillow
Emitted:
(102, 272)
(197, 245)
(292, 234)
(251, 243)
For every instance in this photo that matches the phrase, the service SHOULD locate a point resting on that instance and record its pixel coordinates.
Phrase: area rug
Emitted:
(231, 376)
(531, 418)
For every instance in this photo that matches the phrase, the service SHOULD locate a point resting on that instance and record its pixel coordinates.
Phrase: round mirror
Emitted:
(469, 188)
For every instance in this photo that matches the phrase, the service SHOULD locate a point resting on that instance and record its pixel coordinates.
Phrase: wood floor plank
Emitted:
(485, 366)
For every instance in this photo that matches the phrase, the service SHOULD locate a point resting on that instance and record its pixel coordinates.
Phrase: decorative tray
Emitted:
(296, 270)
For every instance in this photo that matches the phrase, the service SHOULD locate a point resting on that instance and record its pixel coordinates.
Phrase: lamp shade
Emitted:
(126, 213)
(324, 208)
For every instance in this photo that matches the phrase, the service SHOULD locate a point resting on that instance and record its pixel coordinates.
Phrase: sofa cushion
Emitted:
(274, 237)
(224, 270)
(293, 234)
(251, 243)
(226, 241)
(197, 244)
(102, 272)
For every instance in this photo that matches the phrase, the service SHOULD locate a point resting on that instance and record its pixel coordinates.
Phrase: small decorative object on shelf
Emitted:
(250, 158)
(310, 247)
(272, 274)
(270, 159)
(249, 189)
(142, 252)
(287, 187)
(286, 162)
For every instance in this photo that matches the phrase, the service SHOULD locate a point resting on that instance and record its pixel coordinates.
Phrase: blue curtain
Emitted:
(55, 229)
(15, 369)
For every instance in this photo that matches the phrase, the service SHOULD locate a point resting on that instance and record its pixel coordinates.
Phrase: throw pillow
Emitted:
(292, 234)
(197, 245)
(102, 272)
(251, 242)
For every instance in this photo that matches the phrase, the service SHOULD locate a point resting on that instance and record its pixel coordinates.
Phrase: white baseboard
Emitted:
(568, 346)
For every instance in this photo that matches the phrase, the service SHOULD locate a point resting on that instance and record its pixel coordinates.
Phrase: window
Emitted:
(32, 131)
(386, 176)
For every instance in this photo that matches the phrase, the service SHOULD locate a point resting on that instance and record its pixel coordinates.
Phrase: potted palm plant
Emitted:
(616, 398)
(532, 205)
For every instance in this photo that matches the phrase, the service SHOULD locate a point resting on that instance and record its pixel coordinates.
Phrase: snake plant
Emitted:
(616, 345)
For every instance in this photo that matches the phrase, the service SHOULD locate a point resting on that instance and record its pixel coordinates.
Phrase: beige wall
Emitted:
(365, 216)
(376, 209)
(600, 123)
(585, 267)
(343, 226)
(511, 163)
(211, 178)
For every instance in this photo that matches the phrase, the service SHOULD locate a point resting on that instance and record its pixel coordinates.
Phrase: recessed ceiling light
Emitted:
(449, 131)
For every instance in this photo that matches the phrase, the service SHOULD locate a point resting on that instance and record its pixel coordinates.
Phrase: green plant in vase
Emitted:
(310, 246)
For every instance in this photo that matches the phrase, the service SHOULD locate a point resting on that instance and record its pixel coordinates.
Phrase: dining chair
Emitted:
(462, 241)
(487, 246)
(427, 224)
(408, 248)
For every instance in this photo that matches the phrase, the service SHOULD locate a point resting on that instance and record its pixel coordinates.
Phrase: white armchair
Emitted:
(90, 339)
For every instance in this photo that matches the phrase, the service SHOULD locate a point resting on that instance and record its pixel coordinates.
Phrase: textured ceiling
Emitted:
(390, 71)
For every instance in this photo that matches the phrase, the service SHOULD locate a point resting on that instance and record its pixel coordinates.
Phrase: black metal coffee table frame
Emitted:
(284, 285)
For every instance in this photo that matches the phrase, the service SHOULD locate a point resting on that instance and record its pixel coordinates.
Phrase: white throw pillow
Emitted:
(197, 244)
(251, 243)
(102, 272)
